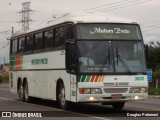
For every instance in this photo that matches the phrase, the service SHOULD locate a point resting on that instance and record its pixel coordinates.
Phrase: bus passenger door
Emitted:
(71, 68)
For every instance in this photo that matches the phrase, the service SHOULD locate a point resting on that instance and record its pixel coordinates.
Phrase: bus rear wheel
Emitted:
(118, 105)
(61, 97)
(25, 93)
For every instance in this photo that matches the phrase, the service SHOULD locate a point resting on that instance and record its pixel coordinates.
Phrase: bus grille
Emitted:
(119, 84)
(115, 90)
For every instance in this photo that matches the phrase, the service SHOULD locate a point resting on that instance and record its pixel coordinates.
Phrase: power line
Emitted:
(155, 21)
(126, 5)
(106, 5)
(151, 26)
(53, 16)
(154, 25)
(3, 29)
(42, 22)
(4, 46)
(94, 8)
(3, 32)
(154, 28)
(117, 5)
(7, 21)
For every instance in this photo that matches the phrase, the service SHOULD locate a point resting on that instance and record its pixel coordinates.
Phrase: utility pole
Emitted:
(25, 15)
(4, 61)
(12, 30)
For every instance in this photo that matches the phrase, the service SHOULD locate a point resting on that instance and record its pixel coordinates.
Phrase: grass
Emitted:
(153, 91)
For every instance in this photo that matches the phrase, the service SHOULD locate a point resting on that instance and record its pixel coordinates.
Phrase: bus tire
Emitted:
(25, 92)
(20, 90)
(118, 105)
(61, 97)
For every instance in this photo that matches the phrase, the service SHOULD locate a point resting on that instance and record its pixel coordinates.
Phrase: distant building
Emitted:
(4, 67)
(1, 67)
(7, 67)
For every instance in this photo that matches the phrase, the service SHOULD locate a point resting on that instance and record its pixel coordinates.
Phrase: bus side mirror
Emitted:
(146, 51)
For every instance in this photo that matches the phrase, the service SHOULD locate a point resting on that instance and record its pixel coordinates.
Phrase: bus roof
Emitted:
(80, 17)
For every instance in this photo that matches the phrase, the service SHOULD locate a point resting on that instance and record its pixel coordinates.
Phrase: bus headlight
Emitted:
(138, 90)
(96, 91)
(90, 91)
(87, 91)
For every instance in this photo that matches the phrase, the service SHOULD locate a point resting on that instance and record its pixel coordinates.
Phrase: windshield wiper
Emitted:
(107, 59)
(122, 61)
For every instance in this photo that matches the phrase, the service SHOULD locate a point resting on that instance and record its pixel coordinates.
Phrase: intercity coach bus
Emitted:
(80, 57)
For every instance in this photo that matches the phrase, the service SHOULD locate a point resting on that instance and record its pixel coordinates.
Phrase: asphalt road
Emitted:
(10, 102)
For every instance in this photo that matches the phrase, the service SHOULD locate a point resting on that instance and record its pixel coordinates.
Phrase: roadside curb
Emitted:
(153, 96)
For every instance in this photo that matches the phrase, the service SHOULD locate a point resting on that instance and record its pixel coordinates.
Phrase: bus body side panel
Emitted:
(13, 81)
(42, 71)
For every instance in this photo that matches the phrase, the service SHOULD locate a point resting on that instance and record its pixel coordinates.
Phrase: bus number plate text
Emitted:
(116, 96)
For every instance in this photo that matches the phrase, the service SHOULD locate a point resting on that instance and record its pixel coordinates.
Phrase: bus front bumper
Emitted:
(111, 97)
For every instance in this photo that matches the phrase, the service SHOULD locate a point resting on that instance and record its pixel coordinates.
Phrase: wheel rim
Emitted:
(26, 92)
(62, 97)
(20, 91)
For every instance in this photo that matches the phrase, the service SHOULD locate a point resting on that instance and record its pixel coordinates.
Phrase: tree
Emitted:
(154, 61)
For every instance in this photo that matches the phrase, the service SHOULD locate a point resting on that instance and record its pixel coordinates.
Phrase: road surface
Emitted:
(95, 111)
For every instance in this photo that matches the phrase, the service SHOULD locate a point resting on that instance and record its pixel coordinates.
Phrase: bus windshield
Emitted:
(99, 56)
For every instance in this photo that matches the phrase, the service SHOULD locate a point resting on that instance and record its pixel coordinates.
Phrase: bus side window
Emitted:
(59, 36)
(38, 41)
(29, 43)
(69, 31)
(48, 39)
(21, 44)
(14, 46)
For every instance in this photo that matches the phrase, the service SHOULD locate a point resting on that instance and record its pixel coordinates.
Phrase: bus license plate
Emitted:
(116, 96)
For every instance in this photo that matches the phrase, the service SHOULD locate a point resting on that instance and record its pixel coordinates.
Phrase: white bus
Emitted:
(80, 57)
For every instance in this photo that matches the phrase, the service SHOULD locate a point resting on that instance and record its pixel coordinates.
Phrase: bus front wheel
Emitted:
(118, 105)
(61, 97)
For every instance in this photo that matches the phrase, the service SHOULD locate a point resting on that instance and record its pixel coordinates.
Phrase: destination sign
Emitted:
(109, 31)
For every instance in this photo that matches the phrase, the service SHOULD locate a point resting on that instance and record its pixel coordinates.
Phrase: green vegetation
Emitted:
(153, 91)
(5, 77)
(154, 63)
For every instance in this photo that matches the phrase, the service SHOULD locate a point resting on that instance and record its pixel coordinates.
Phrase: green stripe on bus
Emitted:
(79, 78)
(12, 62)
(88, 79)
(83, 78)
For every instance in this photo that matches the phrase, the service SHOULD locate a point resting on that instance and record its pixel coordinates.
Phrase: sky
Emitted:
(145, 12)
